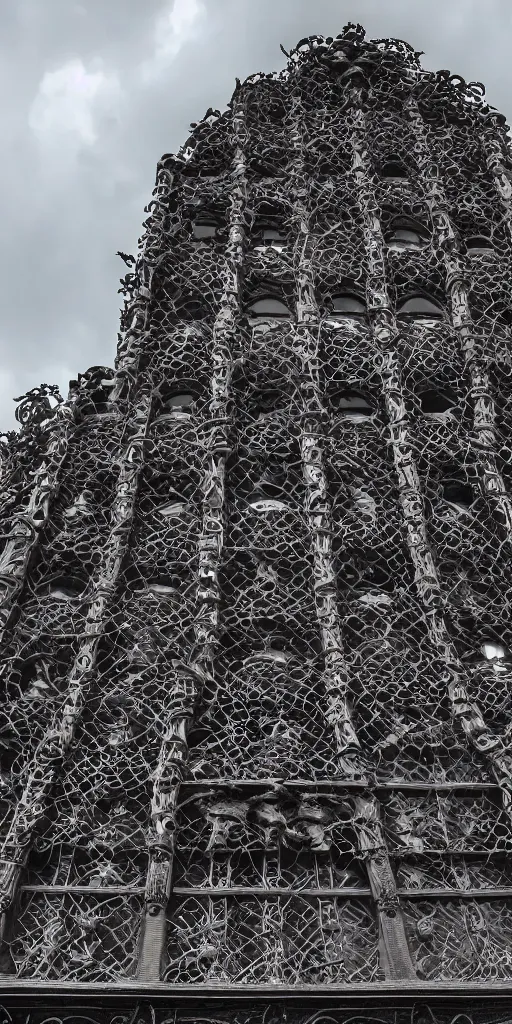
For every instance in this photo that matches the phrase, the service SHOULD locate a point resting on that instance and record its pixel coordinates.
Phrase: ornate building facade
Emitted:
(257, 649)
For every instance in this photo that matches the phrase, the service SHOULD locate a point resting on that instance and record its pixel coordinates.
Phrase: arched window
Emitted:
(479, 245)
(270, 656)
(406, 237)
(269, 238)
(260, 504)
(458, 493)
(346, 305)
(66, 588)
(279, 657)
(269, 308)
(180, 400)
(351, 404)
(272, 235)
(433, 402)
(420, 305)
(166, 588)
(191, 307)
(204, 230)
(176, 406)
(394, 170)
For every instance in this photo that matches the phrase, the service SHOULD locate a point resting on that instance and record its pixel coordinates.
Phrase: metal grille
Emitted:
(254, 581)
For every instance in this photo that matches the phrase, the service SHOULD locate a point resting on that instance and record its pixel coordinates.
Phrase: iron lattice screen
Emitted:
(255, 581)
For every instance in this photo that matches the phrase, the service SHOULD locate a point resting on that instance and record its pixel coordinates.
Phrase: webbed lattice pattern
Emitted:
(255, 581)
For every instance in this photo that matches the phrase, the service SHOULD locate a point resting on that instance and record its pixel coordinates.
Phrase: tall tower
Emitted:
(255, 620)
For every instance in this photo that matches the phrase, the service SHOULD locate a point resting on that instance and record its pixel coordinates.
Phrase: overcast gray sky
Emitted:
(94, 91)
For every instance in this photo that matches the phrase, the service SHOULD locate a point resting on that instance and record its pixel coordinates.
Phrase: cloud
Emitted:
(69, 100)
(99, 89)
(174, 27)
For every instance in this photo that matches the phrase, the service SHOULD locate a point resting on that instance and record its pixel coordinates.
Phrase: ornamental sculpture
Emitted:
(254, 582)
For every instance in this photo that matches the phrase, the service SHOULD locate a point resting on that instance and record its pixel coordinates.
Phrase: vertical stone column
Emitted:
(394, 950)
(191, 677)
(114, 552)
(28, 523)
(385, 332)
(465, 712)
(396, 961)
(49, 758)
(495, 144)
(307, 340)
(457, 288)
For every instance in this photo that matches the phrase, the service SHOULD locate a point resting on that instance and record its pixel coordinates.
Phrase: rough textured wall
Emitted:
(255, 582)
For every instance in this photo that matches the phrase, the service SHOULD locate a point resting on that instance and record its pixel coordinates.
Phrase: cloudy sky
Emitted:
(94, 91)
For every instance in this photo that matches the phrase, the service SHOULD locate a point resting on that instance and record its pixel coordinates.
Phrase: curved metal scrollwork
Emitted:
(255, 580)
(36, 406)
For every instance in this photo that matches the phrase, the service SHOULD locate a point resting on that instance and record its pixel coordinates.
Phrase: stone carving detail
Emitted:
(256, 645)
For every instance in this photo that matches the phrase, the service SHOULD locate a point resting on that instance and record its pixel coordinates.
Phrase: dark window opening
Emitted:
(272, 481)
(436, 401)
(267, 237)
(181, 400)
(173, 509)
(197, 737)
(407, 237)
(380, 578)
(271, 235)
(36, 677)
(177, 405)
(394, 170)
(165, 586)
(364, 503)
(204, 230)
(458, 493)
(67, 588)
(270, 654)
(269, 307)
(346, 305)
(421, 305)
(265, 402)
(479, 245)
(351, 404)
(492, 311)
(373, 598)
(272, 489)
(190, 308)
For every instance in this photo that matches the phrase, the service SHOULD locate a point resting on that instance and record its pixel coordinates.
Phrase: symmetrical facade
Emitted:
(255, 618)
